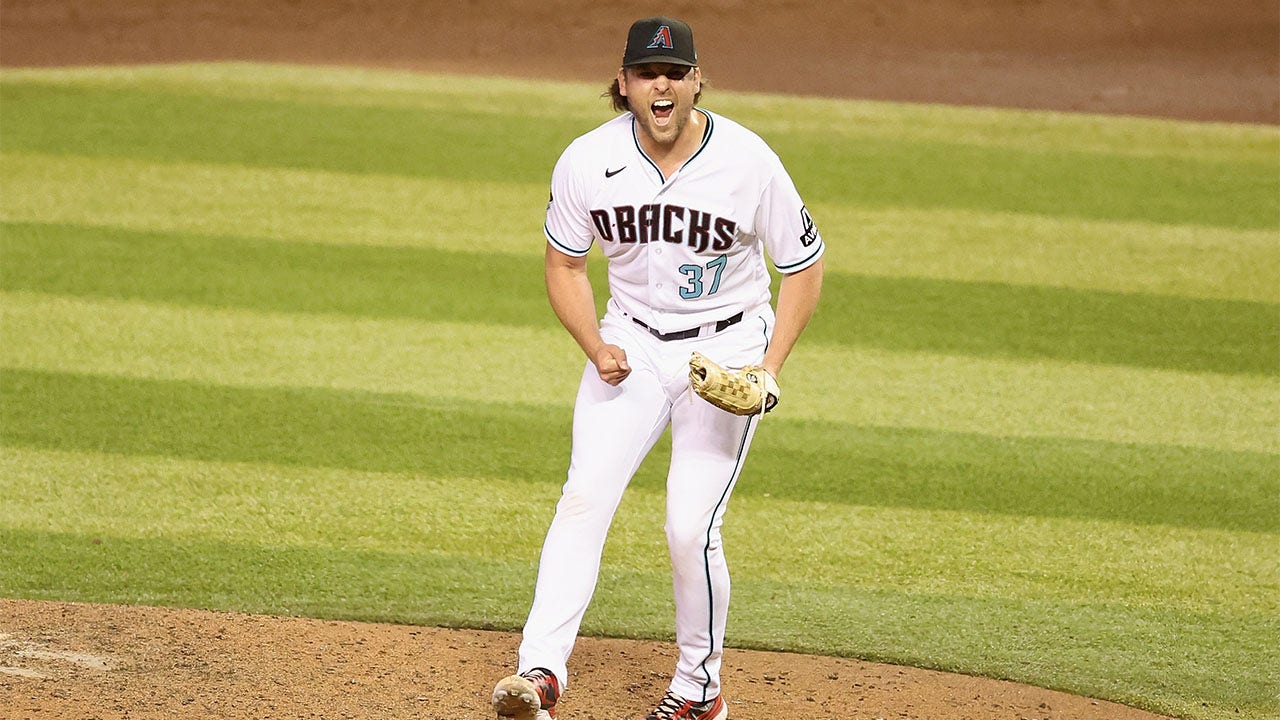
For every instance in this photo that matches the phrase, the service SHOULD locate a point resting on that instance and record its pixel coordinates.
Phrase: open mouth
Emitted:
(661, 110)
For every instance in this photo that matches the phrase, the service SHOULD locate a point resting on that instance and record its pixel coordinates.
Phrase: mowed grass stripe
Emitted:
(273, 203)
(989, 319)
(261, 576)
(459, 361)
(839, 464)
(371, 88)
(358, 431)
(1020, 398)
(768, 113)
(154, 124)
(468, 145)
(365, 209)
(425, 359)
(1064, 183)
(228, 271)
(1009, 249)
(923, 551)
(902, 314)
(1025, 130)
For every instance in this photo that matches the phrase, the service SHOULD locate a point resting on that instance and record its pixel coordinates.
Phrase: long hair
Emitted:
(614, 93)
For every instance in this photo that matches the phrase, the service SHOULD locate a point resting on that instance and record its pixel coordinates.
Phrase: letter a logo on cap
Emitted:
(662, 38)
(658, 40)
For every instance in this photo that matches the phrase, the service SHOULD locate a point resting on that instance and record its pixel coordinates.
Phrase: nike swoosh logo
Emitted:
(610, 173)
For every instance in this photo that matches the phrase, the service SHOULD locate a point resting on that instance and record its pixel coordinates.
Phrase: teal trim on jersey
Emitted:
(706, 138)
(800, 265)
(561, 246)
(636, 139)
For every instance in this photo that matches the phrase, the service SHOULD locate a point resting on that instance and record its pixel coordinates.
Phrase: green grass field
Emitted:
(275, 340)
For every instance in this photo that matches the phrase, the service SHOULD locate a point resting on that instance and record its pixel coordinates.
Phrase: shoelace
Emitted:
(670, 708)
(546, 684)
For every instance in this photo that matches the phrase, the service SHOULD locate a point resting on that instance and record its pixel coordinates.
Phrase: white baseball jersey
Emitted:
(688, 249)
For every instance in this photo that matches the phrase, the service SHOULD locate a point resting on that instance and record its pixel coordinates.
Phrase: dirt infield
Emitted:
(1173, 58)
(1187, 59)
(76, 661)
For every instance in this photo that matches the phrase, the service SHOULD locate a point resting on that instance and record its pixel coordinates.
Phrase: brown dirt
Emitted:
(1185, 59)
(1192, 59)
(106, 662)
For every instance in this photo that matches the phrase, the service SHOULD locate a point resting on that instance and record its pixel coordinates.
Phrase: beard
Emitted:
(663, 134)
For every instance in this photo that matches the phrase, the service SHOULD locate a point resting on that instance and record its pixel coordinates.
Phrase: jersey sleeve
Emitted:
(568, 225)
(790, 235)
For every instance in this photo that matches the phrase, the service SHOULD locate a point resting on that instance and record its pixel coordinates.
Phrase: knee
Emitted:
(580, 500)
(688, 539)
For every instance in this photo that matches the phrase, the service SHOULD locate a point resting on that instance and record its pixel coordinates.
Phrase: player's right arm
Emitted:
(572, 299)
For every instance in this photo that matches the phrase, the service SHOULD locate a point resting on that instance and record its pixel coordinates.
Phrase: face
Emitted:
(661, 96)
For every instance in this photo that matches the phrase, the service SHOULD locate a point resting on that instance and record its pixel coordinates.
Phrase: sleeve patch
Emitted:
(810, 234)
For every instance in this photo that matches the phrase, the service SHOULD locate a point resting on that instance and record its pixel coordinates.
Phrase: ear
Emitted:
(622, 82)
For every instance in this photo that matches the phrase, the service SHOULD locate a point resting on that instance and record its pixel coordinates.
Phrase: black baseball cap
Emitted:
(660, 40)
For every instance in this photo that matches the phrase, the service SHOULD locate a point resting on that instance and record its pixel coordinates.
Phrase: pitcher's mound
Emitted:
(73, 660)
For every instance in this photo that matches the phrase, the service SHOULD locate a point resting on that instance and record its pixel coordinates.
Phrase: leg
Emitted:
(613, 429)
(708, 450)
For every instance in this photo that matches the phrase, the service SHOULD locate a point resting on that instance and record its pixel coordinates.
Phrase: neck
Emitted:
(669, 156)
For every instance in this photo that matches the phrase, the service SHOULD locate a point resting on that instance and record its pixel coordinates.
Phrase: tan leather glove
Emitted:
(749, 391)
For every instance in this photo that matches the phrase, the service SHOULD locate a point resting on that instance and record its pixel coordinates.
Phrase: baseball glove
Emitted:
(749, 391)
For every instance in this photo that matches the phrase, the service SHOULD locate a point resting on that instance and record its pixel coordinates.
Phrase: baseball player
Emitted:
(685, 205)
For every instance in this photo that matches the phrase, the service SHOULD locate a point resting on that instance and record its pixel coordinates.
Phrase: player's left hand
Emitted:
(753, 390)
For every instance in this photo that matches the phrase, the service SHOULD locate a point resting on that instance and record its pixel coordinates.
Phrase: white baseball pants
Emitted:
(613, 429)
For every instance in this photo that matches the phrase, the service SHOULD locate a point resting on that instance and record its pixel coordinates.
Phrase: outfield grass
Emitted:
(252, 318)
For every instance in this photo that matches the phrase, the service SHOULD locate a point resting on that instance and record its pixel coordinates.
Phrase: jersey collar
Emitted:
(706, 139)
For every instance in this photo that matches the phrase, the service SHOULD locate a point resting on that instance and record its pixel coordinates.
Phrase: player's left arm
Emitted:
(792, 241)
(797, 299)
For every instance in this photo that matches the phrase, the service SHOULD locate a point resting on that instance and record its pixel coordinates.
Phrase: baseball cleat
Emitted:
(528, 696)
(674, 707)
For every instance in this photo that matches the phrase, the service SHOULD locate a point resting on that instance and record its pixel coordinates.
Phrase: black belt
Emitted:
(691, 332)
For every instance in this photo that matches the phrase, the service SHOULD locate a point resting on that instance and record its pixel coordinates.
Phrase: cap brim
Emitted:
(659, 59)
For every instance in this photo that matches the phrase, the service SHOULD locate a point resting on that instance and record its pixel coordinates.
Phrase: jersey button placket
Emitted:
(657, 250)
(655, 269)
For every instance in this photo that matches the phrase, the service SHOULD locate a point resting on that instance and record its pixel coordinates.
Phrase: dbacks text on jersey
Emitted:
(658, 222)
